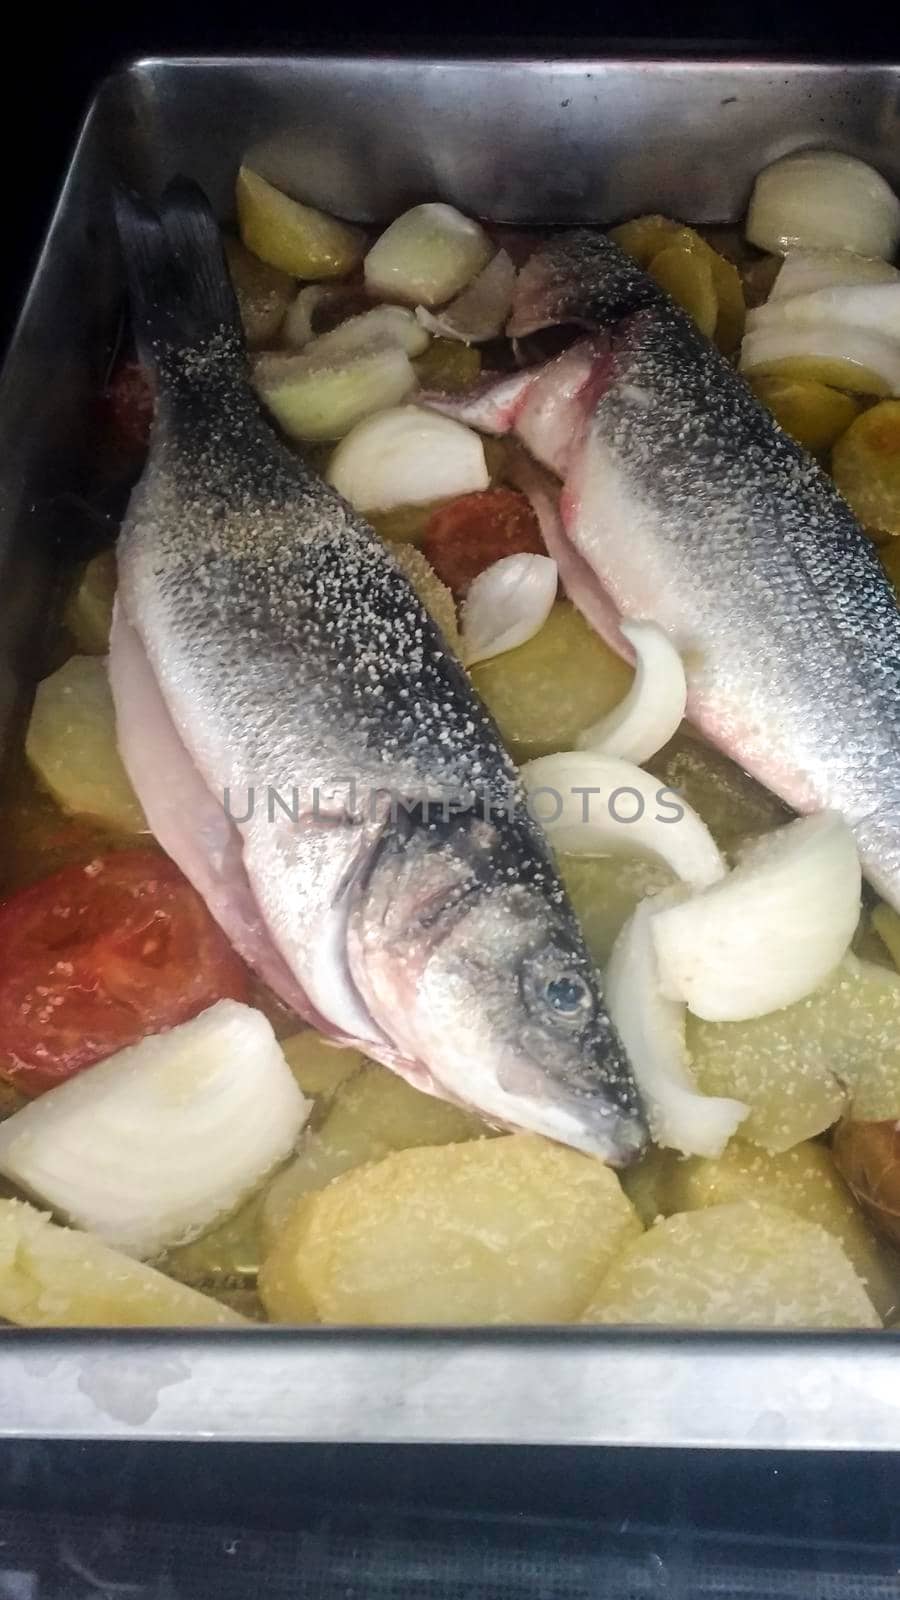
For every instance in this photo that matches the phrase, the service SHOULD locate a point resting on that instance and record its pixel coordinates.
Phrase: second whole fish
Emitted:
(683, 503)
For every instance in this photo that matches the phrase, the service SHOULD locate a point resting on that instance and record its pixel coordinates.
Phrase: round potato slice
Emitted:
(687, 277)
(71, 744)
(88, 614)
(833, 371)
(810, 412)
(546, 692)
(297, 239)
(508, 1230)
(745, 1265)
(263, 293)
(866, 467)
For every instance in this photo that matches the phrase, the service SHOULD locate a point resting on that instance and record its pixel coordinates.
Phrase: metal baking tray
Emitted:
(520, 140)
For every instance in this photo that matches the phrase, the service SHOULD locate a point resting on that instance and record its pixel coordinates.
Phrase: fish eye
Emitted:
(568, 995)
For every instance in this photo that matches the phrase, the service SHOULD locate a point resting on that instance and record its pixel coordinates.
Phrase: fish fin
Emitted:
(178, 280)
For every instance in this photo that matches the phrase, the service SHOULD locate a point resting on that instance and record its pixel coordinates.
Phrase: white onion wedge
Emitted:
(382, 325)
(151, 1146)
(506, 605)
(407, 456)
(426, 256)
(651, 1028)
(480, 312)
(806, 271)
(772, 931)
(872, 306)
(653, 708)
(323, 397)
(871, 364)
(590, 804)
(823, 199)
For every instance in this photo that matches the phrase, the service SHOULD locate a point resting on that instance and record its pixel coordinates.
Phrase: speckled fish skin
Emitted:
(694, 509)
(290, 655)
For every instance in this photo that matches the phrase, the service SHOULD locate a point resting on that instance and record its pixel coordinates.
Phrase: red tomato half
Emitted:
(96, 957)
(467, 535)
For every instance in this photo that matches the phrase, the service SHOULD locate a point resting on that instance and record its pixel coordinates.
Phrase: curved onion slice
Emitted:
(595, 805)
(769, 933)
(149, 1147)
(653, 708)
(874, 306)
(407, 456)
(506, 605)
(382, 325)
(321, 397)
(869, 364)
(651, 1028)
(426, 256)
(480, 312)
(823, 198)
(297, 329)
(805, 271)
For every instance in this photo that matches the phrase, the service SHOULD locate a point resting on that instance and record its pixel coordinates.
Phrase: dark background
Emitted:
(59, 55)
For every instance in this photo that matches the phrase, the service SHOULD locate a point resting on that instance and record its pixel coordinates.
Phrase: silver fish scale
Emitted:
(290, 620)
(794, 619)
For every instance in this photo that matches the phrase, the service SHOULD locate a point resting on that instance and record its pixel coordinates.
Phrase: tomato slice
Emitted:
(99, 955)
(467, 535)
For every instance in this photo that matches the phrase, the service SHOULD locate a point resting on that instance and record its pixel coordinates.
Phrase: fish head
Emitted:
(466, 951)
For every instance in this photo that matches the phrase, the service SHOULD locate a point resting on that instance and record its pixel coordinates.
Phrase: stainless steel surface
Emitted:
(520, 141)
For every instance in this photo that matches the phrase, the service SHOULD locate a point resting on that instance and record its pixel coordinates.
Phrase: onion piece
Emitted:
(772, 931)
(651, 1028)
(506, 605)
(872, 306)
(148, 1148)
(805, 271)
(480, 312)
(321, 398)
(426, 256)
(595, 805)
(297, 329)
(824, 199)
(653, 708)
(407, 456)
(867, 364)
(383, 324)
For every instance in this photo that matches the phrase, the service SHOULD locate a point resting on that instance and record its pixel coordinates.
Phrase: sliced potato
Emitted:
(810, 412)
(646, 238)
(373, 1113)
(886, 923)
(434, 595)
(322, 400)
(263, 293)
(866, 467)
(507, 1230)
(71, 744)
(88, 614)
(543, 694)
(804, 1180)
(54, 1277)
(732, 804)
(319, 1067)
(605, 890)
(403, 524)
(743, 1265)
(686, 276)
(448, 365)
(295, 238)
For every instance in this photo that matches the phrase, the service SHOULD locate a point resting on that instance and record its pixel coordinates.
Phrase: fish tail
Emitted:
(178, 280)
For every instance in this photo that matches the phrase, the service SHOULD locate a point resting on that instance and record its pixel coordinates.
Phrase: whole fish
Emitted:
(684, 503)
(314, 758)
